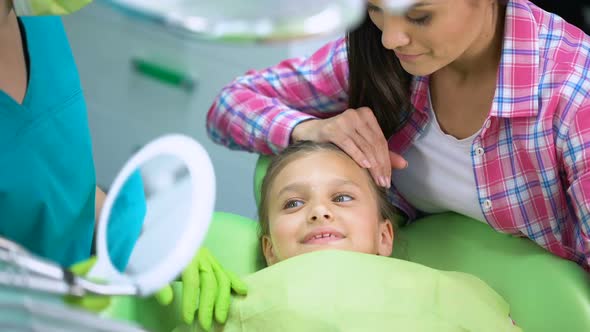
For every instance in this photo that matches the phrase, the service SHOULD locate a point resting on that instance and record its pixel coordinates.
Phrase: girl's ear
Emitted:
(268, 250)
(385, 238)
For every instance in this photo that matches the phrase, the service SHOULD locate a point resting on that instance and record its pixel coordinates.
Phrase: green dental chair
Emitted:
(546, 293)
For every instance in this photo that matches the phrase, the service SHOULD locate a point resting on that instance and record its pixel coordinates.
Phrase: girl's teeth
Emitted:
(320, 236)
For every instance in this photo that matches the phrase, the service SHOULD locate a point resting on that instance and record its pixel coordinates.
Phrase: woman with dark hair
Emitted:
(487, 101)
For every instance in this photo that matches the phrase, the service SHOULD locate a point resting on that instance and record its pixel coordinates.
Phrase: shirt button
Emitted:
(479, 151)
(487, 124)
(487, 204)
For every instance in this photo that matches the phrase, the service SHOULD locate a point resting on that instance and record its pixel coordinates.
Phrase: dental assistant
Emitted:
(49, 200)
(483, 104)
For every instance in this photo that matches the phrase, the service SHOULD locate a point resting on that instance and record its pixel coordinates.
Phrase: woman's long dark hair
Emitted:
(376, 78)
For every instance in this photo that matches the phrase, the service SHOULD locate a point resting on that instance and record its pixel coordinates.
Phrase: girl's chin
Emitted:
(334, 245)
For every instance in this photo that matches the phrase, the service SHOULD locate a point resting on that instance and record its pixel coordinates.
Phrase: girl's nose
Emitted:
(320, 213)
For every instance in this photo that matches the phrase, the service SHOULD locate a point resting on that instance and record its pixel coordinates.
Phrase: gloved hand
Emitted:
(206, 290)
(94, 303)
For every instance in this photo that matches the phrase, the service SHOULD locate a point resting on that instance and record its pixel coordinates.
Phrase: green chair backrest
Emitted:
(546, 293)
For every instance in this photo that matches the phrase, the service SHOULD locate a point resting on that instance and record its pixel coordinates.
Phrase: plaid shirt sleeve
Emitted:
(258, 111)
(576, 156)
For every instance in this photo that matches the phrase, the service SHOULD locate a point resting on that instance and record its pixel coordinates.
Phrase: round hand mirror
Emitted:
(155, 215)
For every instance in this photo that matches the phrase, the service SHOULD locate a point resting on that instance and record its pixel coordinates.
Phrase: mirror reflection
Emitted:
(154, 199)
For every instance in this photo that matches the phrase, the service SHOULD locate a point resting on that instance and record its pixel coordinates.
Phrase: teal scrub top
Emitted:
(47, 183)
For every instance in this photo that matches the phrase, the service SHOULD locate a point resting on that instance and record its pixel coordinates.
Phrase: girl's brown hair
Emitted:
(295, 150)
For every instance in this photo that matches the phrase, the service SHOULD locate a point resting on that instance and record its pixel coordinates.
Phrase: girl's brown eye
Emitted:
(292, 204)
(342, 198)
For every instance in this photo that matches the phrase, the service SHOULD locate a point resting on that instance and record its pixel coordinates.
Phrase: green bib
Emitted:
(348, 291)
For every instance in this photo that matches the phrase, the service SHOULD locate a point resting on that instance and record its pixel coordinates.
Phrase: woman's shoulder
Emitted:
(563, 47)
(49, 24)
(544, 47)
(563, 52)
(51, 62)
(45, 33)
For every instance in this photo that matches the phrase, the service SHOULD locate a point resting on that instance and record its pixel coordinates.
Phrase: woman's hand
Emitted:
(356, 132)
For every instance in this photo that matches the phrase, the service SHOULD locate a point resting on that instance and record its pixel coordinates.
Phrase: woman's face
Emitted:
(324, 200)
(434, 33)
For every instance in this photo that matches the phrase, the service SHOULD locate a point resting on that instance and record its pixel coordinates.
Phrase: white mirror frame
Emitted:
(200, 169)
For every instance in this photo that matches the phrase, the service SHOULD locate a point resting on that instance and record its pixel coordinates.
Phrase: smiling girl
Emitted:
(315, 197)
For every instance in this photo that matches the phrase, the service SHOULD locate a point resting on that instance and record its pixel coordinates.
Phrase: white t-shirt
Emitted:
(440, 174)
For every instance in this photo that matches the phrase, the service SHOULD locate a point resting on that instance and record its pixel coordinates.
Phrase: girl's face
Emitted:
(435, 33)
(324, 200)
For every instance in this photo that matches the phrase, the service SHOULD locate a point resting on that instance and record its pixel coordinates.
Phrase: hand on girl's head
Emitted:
(323, 200)
(356, 132)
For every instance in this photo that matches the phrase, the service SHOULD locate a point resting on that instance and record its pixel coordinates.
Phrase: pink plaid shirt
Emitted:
(531, 159)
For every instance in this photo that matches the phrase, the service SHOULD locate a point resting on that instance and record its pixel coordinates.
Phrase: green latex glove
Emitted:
(94, 303)
(206, 290)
